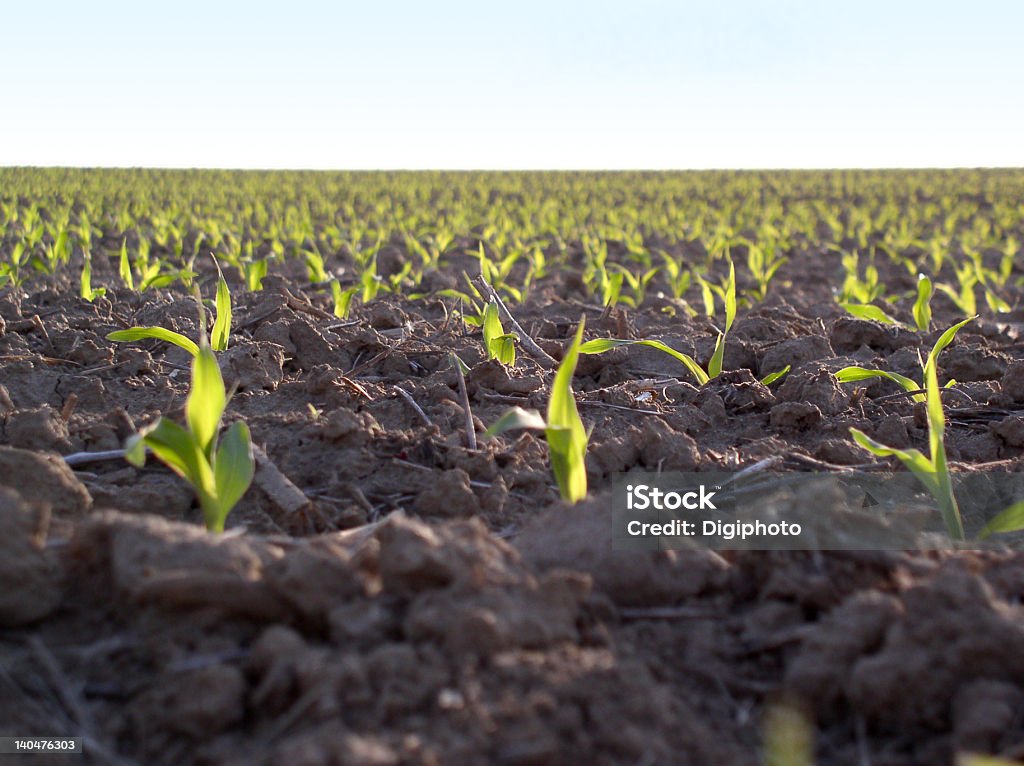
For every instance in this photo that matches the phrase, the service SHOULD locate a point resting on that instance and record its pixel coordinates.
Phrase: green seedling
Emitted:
(124, 266)
(855, 374)
(87, 291)
(563, 429)
(254, 271)
(856, 289)
(727, 292)
(499, 344)
(220, 469)
(922, 306)
(763, 263)
(219, 335)
(867, 311)
(601, 345)
(342, 299)
(932, 470)
(677, 276)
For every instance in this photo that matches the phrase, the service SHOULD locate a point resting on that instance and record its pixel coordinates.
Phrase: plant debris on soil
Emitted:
(386, 595)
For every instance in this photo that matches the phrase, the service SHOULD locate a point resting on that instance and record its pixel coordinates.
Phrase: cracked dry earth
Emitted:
(433, 604)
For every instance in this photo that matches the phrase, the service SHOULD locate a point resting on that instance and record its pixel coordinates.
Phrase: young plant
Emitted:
(677, 276)
(727, 292)
(855, 374)
(500, 345)
(124, 266)
(867, 311)
(342, 299)
(601, 345)
(87, 290)
(219, 469)
(763, 263)
(932, 471)
(922, 306)
(219, 335)
(563, 429)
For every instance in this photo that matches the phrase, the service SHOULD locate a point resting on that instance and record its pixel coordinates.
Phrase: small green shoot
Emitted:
(342, 299)
(87, 291)
(500, 345)
(219, 335)
(124, 267)
(221, 332)
(867, 311)
(922, 306)
(931, 471)
(220, 470)
(855, 374)
(159, 333)
(601, 345)
(563, 429)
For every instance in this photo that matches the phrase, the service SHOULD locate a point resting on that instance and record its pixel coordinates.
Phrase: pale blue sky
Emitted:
(454, 84)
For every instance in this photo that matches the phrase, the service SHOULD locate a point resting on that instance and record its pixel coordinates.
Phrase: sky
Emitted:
(656, 84)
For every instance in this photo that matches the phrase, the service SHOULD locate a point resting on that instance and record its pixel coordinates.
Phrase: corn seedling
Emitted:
(124, 266)
(86, 290)
(932, 470)
(922, 306)
(867, 311)
(563, 429)
(219, 468)
(219, 335)
(342, 299)
(856, 289)
(678, 277)
(763, 264)
(727, 292)
(499, 344)
(856, 374)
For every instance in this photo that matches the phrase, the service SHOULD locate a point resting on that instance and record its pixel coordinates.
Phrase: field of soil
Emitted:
(430, 604)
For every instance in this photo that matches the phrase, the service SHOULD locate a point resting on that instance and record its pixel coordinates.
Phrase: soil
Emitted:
(434, 604)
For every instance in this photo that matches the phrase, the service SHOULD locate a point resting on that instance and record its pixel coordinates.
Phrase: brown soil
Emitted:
(439, 605)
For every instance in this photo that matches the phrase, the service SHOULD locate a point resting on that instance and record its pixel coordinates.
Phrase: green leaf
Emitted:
(492, 329)
(566, 436)
(135, 450)
(505, 349)
(87, 292)
(222, 324)
(913, 459)
(771, 377)
(947, 337)
(125, 266)
(457, 362)
(995, 303)
(1009, 520)
(159, 333)
(718, 357)
(254, 275)
(601, 345)
(854, 374)
(707, 296)
(176, 448)
(922, 306)
(516, 419)
(342, 299)
(233, 470)
(730, 299)
(206, 400)
(867, 311)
